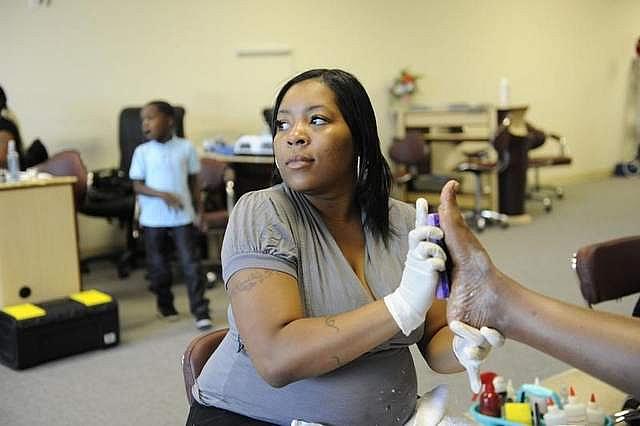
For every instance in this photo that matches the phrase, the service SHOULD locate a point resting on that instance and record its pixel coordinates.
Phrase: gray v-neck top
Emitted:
(279, 229)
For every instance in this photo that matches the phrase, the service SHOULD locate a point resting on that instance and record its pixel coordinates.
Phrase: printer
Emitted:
(254, 145)
(261, 144)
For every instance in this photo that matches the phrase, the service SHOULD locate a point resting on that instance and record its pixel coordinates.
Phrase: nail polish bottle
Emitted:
(443, 289)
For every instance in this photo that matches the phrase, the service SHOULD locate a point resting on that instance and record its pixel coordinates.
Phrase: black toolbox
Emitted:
(31, 334)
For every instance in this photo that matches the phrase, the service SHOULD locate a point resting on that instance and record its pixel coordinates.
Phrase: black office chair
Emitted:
(110, 193)
(35, 154)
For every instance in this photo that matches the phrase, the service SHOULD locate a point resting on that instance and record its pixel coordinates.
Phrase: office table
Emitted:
(252, 171)
(39, 257)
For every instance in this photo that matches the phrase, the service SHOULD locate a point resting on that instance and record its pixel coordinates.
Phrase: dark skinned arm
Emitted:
(602, 344)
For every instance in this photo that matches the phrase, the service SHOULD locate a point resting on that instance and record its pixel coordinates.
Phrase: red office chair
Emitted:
(217, 185)
(68, 163)
(536, 190)
(609, 270)
(196, 355)
(412, 174)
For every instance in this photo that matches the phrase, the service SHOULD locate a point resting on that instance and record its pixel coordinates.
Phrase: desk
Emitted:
(39, 244)
(252, 171)
(609, 398)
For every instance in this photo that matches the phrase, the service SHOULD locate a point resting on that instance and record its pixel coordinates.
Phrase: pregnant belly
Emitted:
(376, 389)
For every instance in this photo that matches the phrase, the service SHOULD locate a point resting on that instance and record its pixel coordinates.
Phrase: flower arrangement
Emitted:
(405, 85)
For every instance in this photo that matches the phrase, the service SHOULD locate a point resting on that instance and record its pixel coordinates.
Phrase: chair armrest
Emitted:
(608, 270)
(562, 143)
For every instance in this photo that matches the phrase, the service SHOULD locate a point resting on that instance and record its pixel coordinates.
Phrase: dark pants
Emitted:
(200, 415)
(159, 266)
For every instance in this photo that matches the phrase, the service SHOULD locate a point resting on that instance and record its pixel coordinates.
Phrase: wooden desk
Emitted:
(609, 398)
(252, 171)
(39, 244)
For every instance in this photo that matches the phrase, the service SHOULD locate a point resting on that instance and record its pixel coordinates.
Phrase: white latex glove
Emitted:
(472, 346)
(409, 303)
(430, 408)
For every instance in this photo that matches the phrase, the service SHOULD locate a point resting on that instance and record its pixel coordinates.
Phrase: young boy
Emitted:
(164, 171)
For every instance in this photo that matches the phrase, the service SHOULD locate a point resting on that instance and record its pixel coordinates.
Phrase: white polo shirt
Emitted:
(165, 167)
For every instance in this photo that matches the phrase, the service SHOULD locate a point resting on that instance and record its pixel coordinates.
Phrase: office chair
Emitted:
(410, 159)
(537, 191)
(68, 163)
(218, 195)
(609, 270)
(35, 154)
(480, 164)
(196, 355)
(110, 192)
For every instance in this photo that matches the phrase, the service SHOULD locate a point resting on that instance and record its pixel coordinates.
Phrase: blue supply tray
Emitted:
(526, 389)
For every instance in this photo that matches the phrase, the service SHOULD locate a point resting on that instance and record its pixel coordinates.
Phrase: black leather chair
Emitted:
(110, 193)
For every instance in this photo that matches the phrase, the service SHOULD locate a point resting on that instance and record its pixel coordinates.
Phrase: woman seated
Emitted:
(330, 280)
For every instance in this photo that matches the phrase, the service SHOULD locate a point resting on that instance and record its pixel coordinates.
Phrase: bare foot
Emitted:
(475, 279)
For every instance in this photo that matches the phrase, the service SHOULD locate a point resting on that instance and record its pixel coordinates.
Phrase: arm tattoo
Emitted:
(331, 322)
(249, 282)
(336, 358)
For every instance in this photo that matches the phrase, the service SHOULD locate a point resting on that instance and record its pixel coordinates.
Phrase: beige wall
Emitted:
(69, 68)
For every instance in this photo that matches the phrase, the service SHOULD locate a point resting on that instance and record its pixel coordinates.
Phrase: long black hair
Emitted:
(373, 177)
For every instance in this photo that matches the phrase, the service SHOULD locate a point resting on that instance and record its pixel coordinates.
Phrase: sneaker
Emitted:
(168, 312)
(204, 323)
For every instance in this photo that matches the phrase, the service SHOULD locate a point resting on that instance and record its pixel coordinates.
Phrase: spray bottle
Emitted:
(13, 162)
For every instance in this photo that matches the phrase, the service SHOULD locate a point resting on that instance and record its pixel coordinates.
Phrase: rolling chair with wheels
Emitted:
(218, 195)
(537, 191)
(110, 192)
(68, 163)
(480, 165)
(409, 156)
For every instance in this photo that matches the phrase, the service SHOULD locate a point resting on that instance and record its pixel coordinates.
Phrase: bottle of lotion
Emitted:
(555, 416)
(595, 415)
(576, 410)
